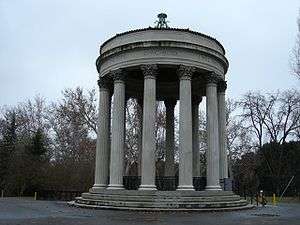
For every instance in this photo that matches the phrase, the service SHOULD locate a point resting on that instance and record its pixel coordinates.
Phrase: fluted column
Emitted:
(149, 116)
(126, 167)
(102, 147)
(140, 133)
(117, 142)
(185, 129)
(212, 156)
(196, 152)
(222, 130)
(170, 142)
(109, 130)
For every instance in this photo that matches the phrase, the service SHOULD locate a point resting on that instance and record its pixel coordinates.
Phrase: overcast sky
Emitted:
(48, 45)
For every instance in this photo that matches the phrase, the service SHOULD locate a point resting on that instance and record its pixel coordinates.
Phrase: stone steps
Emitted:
(162, 209)
(158, 204)
(160, 198)
(161, 193)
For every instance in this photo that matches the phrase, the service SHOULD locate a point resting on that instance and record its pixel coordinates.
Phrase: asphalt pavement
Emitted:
(15, 211)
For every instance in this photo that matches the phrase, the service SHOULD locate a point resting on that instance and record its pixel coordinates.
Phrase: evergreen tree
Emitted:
(38, 148)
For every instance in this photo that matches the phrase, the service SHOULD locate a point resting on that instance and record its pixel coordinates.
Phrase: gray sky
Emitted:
(48, 45)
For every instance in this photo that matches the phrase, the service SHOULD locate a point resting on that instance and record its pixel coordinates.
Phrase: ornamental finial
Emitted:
(162, 22)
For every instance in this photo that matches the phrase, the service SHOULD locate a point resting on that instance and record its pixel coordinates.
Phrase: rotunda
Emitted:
(169, 65)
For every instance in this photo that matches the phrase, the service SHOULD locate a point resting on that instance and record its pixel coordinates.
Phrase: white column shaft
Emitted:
(222, 135)
(118, 137)
(170, 142)
(102, 147)
(196, 152)
(185, 136)
(148, 141)
(212, 156)
(140, 135)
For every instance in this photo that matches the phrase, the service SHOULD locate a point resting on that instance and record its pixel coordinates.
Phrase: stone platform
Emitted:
(161, 200)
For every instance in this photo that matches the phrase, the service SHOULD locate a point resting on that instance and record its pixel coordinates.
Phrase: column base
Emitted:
(185, 188)
(147, 187)
(98, 187)
(115, 187)
(213, 188)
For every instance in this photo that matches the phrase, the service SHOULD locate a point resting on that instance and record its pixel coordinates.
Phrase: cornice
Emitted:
(162, 29)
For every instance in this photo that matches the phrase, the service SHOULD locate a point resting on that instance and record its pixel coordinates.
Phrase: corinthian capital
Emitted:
(222, 86)
(118, 75)
(149, 70)
(185, 72)
(104, 83)
(213, 78)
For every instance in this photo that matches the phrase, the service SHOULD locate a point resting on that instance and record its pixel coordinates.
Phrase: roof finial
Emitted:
(162, 22)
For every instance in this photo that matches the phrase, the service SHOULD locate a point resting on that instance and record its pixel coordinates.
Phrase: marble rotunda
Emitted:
(176, 66)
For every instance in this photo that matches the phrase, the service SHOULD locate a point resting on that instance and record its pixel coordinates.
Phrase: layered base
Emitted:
(161, 200)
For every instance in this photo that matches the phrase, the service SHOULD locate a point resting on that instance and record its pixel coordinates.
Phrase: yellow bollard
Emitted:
(35, 195)
(274, 199)
(2, 193)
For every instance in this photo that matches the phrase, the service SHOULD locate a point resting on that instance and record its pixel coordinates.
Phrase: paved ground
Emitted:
(15, 211)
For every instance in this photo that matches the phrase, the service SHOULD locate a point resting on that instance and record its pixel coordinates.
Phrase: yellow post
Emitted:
(274, 199)
(35, 195)
(2, 193)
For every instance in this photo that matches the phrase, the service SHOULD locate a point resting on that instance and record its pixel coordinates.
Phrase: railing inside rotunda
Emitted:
(162, 183)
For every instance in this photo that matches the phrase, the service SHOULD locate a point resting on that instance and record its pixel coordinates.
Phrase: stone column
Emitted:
(170, 142)
(109, 129)
(149, 116)
(117, 142)
(212, 155)
(140, 133)
(102, 147)
(222, 130)
(126, 168)
(185, 129)
(196, 152)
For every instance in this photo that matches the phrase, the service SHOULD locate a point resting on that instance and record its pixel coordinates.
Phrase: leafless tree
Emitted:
(160, 130)
(283, 119)
(131, 139)
(256, 108)
(73, 120)
(239, 140)
(272, 118)
(202, 142)
(75, 102)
